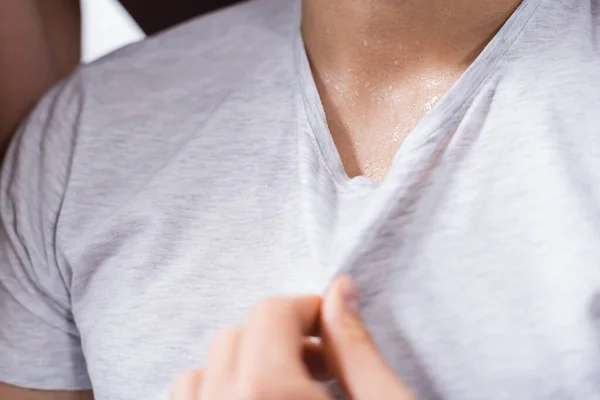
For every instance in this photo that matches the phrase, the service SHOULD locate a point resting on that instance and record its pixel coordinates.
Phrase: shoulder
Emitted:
(132, 112)
(553, 63)
(155, 93)
(208, 54)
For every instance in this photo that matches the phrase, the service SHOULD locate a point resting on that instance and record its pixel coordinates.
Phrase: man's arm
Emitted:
(8, 392)
(39, 45)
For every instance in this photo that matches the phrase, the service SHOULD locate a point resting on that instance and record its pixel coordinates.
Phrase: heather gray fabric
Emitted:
(154, 197)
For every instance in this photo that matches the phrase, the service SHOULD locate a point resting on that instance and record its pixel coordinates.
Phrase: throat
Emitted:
(381, 65)
(368, 121)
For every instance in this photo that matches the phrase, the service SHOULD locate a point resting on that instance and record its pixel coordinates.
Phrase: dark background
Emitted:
(155, 15)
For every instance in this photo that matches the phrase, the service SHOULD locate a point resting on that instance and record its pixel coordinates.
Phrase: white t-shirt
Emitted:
(156, 195)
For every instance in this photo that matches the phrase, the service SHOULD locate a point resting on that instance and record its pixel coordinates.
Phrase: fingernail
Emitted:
(350, 294)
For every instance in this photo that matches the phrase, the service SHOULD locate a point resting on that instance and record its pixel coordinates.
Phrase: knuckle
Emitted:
(354, 332)
(268, 308)
(226, 337)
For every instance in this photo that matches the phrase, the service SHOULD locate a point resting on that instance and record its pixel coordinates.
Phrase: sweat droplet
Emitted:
(429, 105)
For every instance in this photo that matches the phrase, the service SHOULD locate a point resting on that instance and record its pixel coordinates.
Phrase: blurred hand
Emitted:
(273, 356)
(350, 352)
(262, 360)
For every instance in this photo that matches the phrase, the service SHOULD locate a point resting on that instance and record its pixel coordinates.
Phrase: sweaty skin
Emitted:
(381, 65)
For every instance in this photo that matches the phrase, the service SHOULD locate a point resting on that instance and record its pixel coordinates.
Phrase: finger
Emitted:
(221, 366)
(274, 336)
(350, 351)
(314, 359)
(187, 385)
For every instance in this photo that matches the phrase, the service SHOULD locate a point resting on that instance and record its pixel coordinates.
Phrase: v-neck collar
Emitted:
(436, 124)
(419, 148)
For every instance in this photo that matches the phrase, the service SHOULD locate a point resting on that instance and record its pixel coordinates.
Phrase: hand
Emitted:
(350, 352)
(263, 360)
(272, 357)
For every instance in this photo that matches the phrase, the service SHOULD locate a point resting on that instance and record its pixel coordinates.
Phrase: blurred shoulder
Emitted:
(207, 54)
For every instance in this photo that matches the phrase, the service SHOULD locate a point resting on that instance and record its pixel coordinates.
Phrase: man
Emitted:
(442, 153)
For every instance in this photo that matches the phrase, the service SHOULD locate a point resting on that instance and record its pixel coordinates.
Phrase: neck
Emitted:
(400, 36)
(381, 65)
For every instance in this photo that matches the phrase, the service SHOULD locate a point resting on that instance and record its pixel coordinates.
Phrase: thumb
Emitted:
(350, 351)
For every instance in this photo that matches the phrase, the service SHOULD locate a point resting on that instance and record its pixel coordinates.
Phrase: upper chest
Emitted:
(369, 120)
